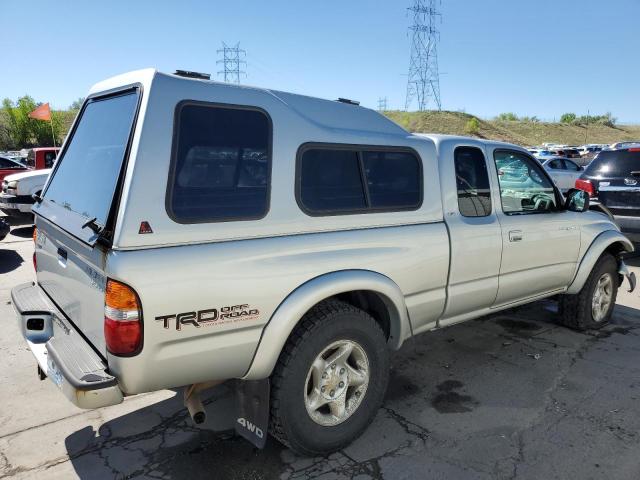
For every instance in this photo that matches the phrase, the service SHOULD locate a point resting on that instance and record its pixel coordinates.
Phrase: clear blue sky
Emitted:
(542, 57)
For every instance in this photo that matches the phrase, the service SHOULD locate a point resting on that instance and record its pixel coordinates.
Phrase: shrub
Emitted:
(507, 117)
(472, 127)
(568, 118)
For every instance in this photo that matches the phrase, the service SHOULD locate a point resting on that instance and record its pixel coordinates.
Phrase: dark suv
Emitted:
(613, 180)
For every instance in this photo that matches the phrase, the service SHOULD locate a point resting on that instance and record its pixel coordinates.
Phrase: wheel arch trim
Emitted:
(301, 300)
(601, 243)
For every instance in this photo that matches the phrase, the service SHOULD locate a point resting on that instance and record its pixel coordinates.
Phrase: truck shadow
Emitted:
(436, 395)
(23, 232)
(9, 260)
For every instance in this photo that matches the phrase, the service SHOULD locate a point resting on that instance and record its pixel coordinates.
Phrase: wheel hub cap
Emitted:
(336, 383)
(602, 297)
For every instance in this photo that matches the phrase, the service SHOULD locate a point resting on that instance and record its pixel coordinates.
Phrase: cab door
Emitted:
(474, 230)
(540, 240)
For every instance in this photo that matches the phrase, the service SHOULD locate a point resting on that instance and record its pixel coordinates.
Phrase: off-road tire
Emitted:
(576, 310)
(327, 322)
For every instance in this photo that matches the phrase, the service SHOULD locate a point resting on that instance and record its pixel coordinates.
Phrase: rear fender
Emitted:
(602, 242)
(301, 300)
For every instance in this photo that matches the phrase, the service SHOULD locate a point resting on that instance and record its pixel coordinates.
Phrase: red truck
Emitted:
(42, 157)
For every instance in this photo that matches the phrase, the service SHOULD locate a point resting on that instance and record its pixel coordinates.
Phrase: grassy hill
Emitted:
(519, 131)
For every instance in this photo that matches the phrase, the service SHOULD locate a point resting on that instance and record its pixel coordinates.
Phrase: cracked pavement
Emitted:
(512, 396)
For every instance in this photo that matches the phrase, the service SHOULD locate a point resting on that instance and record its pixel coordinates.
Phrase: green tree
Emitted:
(472, 127)
(76, 104)
(22, 131)
(568, 118)
(508, 117)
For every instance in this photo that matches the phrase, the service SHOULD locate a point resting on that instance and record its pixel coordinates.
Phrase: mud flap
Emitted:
(252, 410)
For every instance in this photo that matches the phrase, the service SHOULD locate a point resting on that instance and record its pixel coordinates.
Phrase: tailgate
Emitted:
(621, 200)
(77, 213)
(71, 275)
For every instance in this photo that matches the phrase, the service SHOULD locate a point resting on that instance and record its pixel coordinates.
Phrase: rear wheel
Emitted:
(593, 306)
(330, 379)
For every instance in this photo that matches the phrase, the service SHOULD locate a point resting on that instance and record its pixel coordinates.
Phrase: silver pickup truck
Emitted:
(194, 233)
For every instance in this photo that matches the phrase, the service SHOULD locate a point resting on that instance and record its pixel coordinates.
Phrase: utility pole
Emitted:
(382, 104)
(586, 127)
(231, 62)
(423, 83)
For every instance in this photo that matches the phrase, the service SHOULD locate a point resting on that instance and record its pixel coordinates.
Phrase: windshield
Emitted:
(615, 163)
(88, 171)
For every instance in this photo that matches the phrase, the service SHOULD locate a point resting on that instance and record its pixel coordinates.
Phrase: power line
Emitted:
(231, 62)
(382, 104)
(423, 83)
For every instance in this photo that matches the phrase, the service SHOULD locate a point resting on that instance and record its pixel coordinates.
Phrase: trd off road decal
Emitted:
(209, 317)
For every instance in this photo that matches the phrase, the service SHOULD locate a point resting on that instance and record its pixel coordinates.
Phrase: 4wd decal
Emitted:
(210, 316)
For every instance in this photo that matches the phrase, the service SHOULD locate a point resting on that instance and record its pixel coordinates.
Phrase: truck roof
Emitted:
(320, 112)
(439, 139)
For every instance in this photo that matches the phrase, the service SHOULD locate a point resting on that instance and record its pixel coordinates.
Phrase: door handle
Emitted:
(572, 227)
(515, 235)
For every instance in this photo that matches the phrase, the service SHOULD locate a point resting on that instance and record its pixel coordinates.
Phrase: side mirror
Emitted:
(576, 201)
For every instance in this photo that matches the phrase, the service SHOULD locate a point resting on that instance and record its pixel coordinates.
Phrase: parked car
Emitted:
(8, 166)
(566, 152)
(173, 249)
(42, 157)
(613, 178)
(590, 150)
(542, 154)
(4, 228)
(563, 171)
(18, 190)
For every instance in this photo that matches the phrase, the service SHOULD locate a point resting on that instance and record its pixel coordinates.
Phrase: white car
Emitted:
(18, 189)
(563, 171)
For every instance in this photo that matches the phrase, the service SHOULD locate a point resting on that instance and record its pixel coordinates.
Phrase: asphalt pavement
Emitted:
(511, 396)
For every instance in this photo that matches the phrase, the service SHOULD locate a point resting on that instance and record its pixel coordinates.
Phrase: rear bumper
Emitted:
(61, 352)
(21, 203)
(630, 226)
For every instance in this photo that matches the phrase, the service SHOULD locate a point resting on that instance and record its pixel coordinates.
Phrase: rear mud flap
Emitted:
(252, 410)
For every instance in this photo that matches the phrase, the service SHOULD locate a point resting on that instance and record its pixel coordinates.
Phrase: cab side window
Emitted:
(524, 188)
(472, 182)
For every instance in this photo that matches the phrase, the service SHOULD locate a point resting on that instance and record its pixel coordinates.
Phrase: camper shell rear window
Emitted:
(87, 177)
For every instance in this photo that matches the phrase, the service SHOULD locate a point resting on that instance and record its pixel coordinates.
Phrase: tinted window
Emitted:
(393, 179)
(49, 158)
(472, 182)
(614, 163)
(6, 163)
(221, 164)
(31, 159)
(569, 165)
(523, 186)
(556, 164)
(330, 180)
(353, 180)
(86, 178)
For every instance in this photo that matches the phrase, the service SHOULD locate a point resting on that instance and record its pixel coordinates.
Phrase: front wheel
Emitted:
(330, 379)
(593, 306)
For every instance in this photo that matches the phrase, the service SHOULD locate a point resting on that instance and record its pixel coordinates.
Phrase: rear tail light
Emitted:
(585, 185)
(35, 261)
(122, 319)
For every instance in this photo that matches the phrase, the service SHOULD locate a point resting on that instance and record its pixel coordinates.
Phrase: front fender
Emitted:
(301, 300)
(597, 248)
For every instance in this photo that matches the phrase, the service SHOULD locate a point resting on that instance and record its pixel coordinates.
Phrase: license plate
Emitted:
(53, 373)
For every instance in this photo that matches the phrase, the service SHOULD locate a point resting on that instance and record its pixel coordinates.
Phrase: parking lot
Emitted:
(508, 396)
